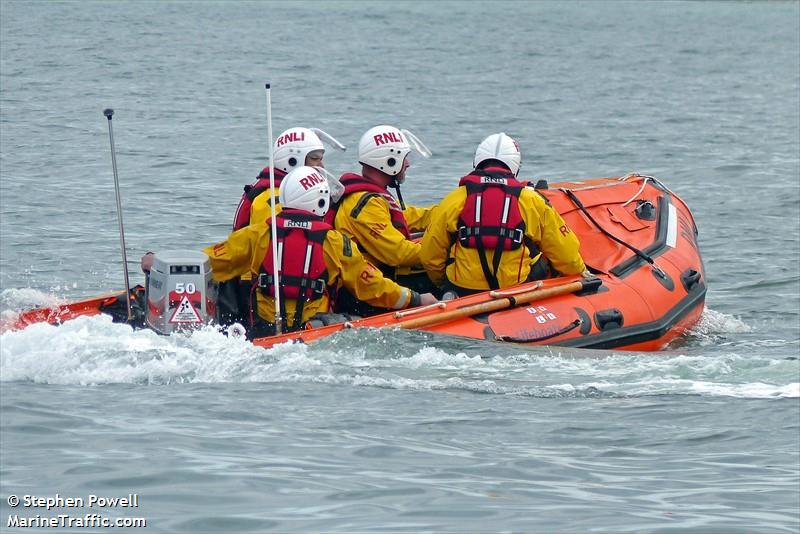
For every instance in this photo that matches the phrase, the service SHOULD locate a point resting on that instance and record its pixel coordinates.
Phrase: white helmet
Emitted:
(501, 147)
(293, 145)
(386, 147)
(307, 189)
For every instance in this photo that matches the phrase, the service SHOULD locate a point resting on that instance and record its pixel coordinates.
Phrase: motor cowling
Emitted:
(181, 293)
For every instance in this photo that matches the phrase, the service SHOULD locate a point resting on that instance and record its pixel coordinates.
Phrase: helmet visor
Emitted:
(417, 145)
(334, 185)
(328, 139)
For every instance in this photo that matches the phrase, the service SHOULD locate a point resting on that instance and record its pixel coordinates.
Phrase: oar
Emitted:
(498, 304)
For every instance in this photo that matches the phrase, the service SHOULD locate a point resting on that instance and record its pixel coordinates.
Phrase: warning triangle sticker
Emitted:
(185, 313)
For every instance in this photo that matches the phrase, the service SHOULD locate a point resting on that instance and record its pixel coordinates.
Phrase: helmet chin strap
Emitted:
(396, 185)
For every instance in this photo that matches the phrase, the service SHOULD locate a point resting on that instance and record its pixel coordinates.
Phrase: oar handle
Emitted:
(494, 305)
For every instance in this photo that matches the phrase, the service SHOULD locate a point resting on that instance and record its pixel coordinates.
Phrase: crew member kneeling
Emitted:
(314, 260)
(493, 232)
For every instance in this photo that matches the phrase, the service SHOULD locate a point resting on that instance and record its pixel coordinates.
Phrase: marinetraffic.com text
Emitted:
(71, 512)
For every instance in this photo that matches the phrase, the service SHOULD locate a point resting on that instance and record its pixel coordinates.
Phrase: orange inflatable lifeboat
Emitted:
(637, 237)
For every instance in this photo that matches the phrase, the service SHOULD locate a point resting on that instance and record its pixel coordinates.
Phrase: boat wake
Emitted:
(94, 350)
(13, 300)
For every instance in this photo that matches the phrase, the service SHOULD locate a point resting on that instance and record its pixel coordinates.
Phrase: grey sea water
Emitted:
(397, 431)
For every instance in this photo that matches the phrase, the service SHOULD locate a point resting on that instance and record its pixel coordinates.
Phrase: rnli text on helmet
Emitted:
(311, 180)
(388, 137)
(291, 137)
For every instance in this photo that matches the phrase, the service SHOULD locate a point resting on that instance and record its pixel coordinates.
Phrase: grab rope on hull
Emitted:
(646, 257)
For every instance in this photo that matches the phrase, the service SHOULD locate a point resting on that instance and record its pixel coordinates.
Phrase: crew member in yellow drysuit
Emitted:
(371, 216)
(493, 232)
(293, 148)
(305, 198)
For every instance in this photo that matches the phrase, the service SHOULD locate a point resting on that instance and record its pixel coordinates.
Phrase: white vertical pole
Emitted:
(275, 259)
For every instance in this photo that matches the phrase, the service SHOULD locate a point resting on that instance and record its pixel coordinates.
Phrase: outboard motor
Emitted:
(181, 294)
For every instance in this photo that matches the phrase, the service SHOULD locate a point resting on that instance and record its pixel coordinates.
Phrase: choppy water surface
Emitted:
(383, 430)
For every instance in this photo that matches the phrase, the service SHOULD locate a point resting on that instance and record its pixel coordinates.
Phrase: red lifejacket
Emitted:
(303, 273)
(251, 191)
(491, 218)
(354, 183)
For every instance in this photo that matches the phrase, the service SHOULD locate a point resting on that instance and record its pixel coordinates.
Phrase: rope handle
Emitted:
(508, 292)
(418, 309)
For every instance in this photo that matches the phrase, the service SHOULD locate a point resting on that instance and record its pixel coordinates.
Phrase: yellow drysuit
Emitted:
(442, 254)
(244, 251)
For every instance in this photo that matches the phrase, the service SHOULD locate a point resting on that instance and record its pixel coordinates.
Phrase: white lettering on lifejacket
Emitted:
(311, 180)
(298, 224)
(291, 136)
(490, 180)
(388, 137)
